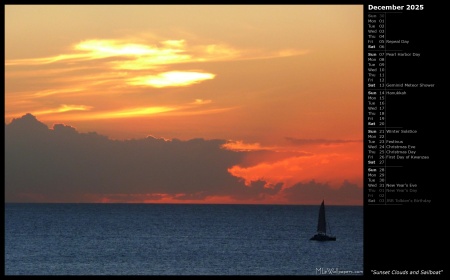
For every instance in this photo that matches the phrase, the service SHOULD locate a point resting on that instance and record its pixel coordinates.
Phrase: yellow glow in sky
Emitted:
(171, 79)
(64, 108)
(132, 112)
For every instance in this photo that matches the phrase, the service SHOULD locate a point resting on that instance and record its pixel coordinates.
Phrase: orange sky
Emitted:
(282, 78)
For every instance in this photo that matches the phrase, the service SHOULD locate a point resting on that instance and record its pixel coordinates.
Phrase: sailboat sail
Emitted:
(322, 224)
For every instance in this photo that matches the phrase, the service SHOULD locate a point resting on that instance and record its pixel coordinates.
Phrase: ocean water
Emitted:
(174, 239)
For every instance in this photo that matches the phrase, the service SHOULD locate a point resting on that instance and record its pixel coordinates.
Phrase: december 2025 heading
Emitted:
(407, 7)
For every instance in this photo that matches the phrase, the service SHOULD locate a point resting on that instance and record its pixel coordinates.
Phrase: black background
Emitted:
(412, 237)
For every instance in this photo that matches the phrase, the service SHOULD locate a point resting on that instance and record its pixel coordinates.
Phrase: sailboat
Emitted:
(321, 234)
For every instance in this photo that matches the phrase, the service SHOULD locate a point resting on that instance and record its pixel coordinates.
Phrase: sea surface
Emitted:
(180, 239)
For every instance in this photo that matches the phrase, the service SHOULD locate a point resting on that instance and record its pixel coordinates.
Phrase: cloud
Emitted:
(64, 108)
(171, 79)
(132, 112)
(258, 190)
(63, 165)
(332, 168)
(304, 142)
(241, 146)
(201, 101)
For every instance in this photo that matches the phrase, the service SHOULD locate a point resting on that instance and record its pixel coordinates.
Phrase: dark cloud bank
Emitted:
(63, 165)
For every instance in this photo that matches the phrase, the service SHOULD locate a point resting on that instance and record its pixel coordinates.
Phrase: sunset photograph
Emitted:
(183, 139)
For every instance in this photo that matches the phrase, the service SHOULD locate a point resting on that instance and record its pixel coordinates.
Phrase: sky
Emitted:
(264, 103)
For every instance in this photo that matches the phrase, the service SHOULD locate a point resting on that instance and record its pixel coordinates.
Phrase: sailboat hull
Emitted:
(322, 237)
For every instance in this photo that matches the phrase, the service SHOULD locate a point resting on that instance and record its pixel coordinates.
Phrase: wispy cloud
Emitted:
(64, 108)
(201, 101)
(140, 56)
(241, 146)
(304, 142)
(133, 112)
(189, 109)
(98, 68)
(171, 79)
